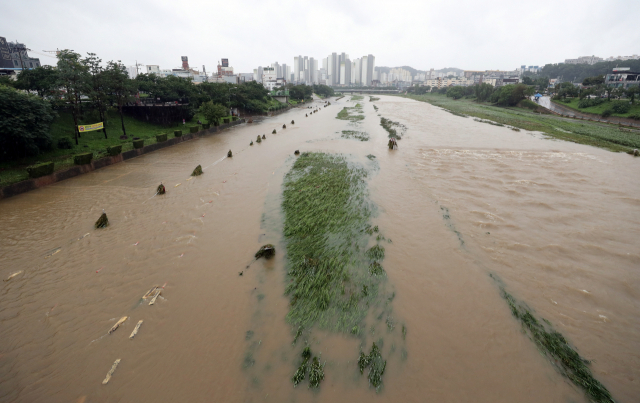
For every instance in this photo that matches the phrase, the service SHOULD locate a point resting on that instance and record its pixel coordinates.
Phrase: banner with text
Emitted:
(90, 128)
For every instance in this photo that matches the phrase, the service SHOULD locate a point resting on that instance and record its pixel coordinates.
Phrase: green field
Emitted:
(595, 134)
(573, 104)
(14, 171)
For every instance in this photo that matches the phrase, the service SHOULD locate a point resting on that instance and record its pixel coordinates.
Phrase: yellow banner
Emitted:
(90, 128)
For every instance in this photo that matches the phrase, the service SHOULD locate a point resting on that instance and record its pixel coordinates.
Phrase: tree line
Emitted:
(82, 85)
(579, 72)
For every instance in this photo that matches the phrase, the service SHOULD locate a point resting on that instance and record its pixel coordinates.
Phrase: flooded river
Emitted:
(557, 223)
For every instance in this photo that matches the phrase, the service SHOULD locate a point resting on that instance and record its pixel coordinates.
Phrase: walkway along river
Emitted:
(464, 203)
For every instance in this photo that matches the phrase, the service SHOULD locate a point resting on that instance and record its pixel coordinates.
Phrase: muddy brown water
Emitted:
(558, 223)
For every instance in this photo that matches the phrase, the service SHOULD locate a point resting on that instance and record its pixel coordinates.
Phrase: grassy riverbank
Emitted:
(572, 103)
(62, 127)
(584, 132)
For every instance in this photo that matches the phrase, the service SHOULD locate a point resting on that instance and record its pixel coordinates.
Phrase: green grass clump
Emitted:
(316, 373)
(345, 114)
(555, 346)
(373, 99)
(356, 97)
(352, 134)
(391, 126)
(375, 363)
(326, 207)
(376, 253)
(315, 370)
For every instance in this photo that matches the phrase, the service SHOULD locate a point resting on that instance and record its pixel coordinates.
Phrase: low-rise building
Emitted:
(622, 77)
(584, 60)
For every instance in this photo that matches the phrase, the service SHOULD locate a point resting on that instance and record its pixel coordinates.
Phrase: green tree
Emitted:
(42, 80)
(7, 81)
(593, 80)
(25, 122)
(483, 92)
(97, 88)
(455, 92)
(121, 88)
(73, 78)
(213, 112)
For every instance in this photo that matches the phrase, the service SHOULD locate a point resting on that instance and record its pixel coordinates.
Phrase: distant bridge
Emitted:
(372, 91)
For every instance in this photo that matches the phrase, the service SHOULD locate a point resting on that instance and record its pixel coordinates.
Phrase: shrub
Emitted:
(38, 170)
(606, 113)
(177, 133)
(206, 125)
(529, 104)
(65, 143)
(161, 137)
(83, 159)
(234, 118)
(25, 122)
(225, 120)
(193, 129)
(587, 102)
(635, 116)
(138, 143)
(620, 107)
(114, 150)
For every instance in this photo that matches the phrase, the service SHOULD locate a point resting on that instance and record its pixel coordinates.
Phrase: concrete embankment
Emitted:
(32, 184)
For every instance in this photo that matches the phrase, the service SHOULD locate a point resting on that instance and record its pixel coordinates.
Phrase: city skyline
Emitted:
(502, 36)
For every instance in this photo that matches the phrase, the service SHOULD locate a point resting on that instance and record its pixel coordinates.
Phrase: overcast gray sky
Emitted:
(468, 34)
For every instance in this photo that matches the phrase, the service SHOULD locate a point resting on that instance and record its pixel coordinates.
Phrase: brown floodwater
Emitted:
(558, 223)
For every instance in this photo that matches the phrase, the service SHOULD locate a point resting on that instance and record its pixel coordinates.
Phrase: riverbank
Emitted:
(597, 110)
(595, 134)
(91, 142)
(75, 170)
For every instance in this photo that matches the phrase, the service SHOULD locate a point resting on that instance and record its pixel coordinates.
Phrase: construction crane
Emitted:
(57, 51)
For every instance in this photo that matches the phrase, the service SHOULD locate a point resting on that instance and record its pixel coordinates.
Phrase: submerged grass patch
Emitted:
(353, 134)
(392, 128)
(356, 97)
(566, 360)
(347, 113)
(326, 209)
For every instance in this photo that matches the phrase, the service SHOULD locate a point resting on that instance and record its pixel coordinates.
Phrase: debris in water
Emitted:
(150, 292)
(265, 137)
(136, 244)
(111, 371)
(117, 325)
(12, 275)
(53, 252)
(153, 300)
(258, 140)
(240, 273)
(197, 171)
(98, 271)
(251, 143)
(161, 190)
(297, 152)
(103, 221)
(229, 154)
(292, 122)
(306, 116)
(181, 255)
(135, 330)
(177, 185)
(267, 251)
